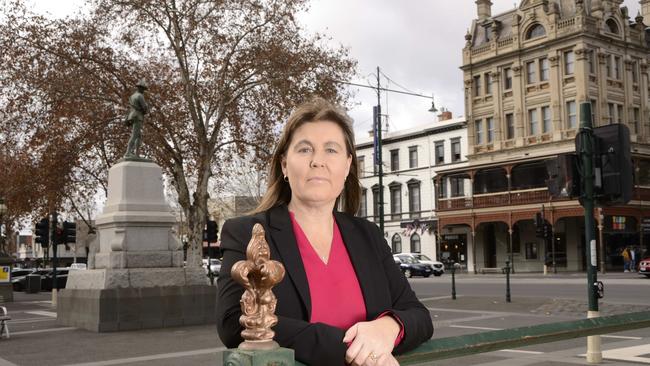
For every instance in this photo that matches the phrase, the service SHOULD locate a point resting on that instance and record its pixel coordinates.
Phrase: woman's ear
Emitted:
(283, 165)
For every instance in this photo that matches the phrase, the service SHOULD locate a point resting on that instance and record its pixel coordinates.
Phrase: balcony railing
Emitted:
(518, 197)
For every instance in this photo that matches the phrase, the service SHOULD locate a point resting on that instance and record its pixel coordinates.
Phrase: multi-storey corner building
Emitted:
(412, 158)
(526, 72)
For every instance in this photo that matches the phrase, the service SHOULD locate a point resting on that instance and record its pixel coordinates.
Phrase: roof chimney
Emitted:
(484, 9)
(444, 115)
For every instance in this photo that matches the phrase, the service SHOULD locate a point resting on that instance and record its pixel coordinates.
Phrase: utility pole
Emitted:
(586, 149)
(378, 152)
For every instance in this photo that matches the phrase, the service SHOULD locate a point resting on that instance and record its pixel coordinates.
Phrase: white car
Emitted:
(438, 267)
(215, 266)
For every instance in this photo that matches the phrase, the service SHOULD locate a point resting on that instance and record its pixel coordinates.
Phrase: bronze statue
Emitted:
(135, 118)
(258, 274)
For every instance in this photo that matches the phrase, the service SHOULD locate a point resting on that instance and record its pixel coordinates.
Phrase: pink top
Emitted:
(332, 281)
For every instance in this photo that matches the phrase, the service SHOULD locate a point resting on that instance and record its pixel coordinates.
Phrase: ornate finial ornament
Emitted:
(258, 274)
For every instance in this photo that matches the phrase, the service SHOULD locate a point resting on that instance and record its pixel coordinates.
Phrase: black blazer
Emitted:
(382, 283)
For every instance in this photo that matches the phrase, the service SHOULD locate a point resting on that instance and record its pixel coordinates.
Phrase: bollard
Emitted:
(453, 281)
(507, 281)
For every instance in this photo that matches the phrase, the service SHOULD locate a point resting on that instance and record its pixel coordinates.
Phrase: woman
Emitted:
(343, 299)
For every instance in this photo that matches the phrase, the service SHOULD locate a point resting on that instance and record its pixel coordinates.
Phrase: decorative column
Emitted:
(556, 94)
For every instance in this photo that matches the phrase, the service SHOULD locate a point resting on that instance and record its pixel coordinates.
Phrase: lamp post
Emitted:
(6, 290)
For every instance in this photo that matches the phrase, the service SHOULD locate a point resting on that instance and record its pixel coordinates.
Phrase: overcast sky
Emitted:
(416, 43)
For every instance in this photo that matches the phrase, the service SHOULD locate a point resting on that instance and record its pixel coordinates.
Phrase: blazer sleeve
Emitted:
(313, 344)
(415, 317)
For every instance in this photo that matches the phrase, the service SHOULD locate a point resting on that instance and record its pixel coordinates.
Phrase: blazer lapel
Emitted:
(361, 257)
(284, 240)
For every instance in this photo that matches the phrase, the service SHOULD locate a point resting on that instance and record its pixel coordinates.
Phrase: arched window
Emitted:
(415, 243)
(611, 26)
(535, 31)
(396, 243)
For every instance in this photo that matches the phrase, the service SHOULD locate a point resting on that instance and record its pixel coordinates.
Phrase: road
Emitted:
(38, 340)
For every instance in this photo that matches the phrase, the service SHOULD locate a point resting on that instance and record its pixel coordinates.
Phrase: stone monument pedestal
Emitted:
(136, 278)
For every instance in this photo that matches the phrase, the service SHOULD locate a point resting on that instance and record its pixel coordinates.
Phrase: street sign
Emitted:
(5, 274)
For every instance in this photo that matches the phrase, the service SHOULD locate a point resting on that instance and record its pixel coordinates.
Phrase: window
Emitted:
(455, 150)
(414, 200)
(490, 129)
(611, 107)
(415, 243)
(440, 152)
(394, 160)
(442, 188)
(535, 31)
(510, 126)
(619, 115)
(477, 85)
(530, 73)
(507, 78)
(635, 122)
(375, 202)
(617, 67)
(572, 117)
(609, 67)
(635, 72)
(396, 243)
(488, 83)
(590, 61)
(413, 157)
(569, 59)
(363, 207)
(611, 26)
(543, 69)
(594, 110)
(531, 250)
(395, 202)
(546, 119)
(532, 122)
(362, 165)
(457, 186)
(478, 130)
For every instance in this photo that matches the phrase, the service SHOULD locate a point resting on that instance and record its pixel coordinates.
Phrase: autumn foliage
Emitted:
(223, 76)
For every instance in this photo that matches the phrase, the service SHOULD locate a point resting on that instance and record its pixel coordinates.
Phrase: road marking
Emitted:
(4, 362)
(470, 327)
(437, 298)
(161, 356)
(51, 314)
(32, 320)
(42, 331)
(630, 354)
(621, 337)
(522, 351)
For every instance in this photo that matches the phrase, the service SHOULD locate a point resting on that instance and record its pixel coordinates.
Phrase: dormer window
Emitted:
(611, 26)
(535, 31)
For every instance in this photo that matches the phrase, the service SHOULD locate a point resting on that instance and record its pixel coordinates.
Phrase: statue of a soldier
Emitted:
(135, 118)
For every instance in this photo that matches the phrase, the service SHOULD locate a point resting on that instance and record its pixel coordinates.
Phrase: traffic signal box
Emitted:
(613, 171)
(210, 232)
(69, 232)
(42, 232)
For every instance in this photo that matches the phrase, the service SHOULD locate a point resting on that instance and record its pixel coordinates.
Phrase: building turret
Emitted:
(484, 9)
(645, 11)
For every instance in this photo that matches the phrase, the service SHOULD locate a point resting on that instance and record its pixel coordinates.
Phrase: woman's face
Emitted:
(317, 163)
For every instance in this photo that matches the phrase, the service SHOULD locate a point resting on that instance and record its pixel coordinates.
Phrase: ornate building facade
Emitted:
(526, 71)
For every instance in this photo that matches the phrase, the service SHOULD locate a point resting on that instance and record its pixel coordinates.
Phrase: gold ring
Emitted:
(373, 356)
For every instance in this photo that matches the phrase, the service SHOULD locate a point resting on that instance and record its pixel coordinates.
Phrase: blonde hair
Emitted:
(318, 109)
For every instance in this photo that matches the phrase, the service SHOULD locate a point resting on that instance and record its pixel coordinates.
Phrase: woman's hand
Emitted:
(372, 342)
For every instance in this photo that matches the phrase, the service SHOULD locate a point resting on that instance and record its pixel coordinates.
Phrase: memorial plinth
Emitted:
(135, 278)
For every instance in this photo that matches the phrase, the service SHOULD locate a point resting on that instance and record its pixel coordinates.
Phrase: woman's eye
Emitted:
(304, 150)
(333, 151)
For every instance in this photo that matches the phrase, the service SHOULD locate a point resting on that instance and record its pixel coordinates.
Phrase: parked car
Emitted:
(644, 267)
(215, 266)
(412, 267)
(78, 266)
(48, 279)
(21, 283)
(438, 267)
(17, 274)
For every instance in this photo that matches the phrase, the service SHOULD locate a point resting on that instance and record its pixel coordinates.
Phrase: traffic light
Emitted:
(42, 232)
(563, 176)
(210, 232)
(539, 224)
(69, 232)
(613, 164)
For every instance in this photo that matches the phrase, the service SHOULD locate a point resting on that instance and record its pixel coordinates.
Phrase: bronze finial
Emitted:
(258, 274)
